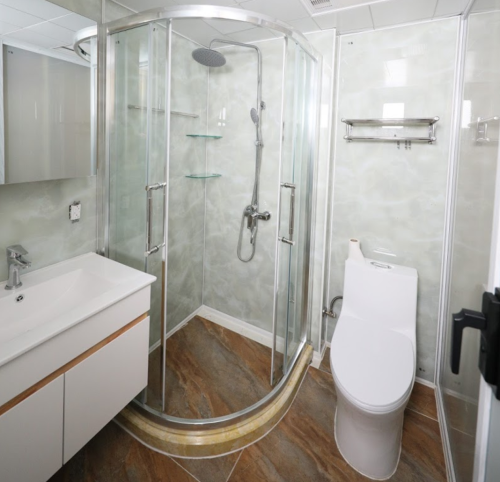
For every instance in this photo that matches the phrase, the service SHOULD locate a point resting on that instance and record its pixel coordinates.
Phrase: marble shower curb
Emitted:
(215, 442)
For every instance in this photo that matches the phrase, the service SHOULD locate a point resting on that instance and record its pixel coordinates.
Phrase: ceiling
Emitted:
(40, 24)
(346, 15)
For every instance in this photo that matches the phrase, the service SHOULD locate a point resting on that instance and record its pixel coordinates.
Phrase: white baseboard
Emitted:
(242, 327)
(422, 381)
(152, 348)
(183, 322)
(460, 396)
(316, 359)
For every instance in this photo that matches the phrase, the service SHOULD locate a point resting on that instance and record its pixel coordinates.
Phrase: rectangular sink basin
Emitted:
(54, 299)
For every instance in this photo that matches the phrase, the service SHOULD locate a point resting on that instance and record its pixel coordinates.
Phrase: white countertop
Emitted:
(60, 296)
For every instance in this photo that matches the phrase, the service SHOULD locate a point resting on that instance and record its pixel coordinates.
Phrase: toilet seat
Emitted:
(374, 367)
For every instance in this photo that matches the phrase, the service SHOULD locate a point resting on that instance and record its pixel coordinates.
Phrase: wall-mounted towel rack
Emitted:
(481, 126)
(172, 112)
(430, 122)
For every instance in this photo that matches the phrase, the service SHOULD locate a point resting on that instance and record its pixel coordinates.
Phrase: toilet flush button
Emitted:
(381, 265)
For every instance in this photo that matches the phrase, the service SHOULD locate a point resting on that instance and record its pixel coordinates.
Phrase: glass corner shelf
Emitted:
(203, 175)
(206, 136)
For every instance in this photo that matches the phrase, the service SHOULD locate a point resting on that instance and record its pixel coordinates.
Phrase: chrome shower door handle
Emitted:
(291, 221)
(149, 218)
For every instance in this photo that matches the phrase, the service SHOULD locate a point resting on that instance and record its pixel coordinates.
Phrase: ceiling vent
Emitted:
(320, 4)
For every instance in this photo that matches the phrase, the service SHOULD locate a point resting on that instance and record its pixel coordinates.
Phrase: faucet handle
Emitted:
(15, 251)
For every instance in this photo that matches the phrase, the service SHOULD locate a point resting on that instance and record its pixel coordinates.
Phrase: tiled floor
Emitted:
(203, 355)
(301, 448)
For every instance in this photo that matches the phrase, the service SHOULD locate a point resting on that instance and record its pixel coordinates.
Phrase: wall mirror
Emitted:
(47, 95)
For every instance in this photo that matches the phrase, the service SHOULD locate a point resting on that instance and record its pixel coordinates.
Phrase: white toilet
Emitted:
(372, 356)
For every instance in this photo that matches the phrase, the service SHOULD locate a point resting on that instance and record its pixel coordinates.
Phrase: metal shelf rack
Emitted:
(429, 122)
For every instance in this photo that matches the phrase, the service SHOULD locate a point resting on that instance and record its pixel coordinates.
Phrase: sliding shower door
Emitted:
(295, 209)
(137, 170)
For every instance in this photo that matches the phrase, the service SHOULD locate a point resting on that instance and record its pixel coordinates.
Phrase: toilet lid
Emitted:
(375, 366)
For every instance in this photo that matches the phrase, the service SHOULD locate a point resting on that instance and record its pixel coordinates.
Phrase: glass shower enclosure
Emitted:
(181, 142)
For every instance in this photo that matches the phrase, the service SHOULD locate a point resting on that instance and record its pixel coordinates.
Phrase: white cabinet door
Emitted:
(31, 436)
(100, 386)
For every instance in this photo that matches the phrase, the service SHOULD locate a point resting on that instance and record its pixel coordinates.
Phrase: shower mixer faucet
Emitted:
(253, 216)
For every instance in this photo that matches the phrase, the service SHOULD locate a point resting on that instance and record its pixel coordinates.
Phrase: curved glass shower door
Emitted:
(137, 171)
(295, 217)
(183, 167)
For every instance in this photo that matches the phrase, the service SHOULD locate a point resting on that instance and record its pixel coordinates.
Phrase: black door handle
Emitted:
(463, 319)
(487, 321)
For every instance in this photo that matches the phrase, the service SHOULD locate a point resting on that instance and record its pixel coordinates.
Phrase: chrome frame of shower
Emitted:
(105, 120)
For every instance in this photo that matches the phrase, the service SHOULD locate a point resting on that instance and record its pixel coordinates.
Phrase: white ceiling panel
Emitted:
(38, 8)
(396, 12)
(304, 25)
(73, 22)
(7, 27)
(450, 7)
(338, 5)
(485, 5)
(141, 5)
(218, 3)
(27, 35)
(228, 26)
(16, 17)
(327, 20)
(196, 30)
(253, 35)
(354, 20)
(281, 9)
(63, 35)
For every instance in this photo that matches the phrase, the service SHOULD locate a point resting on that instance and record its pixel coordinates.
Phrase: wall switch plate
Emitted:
(75, 211)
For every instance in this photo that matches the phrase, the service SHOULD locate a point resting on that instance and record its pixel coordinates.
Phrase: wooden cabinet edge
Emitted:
(45, 381)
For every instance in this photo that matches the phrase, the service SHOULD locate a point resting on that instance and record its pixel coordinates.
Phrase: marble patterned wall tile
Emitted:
(392, 198)
(35, 215)
(230, 285)
(186, 216)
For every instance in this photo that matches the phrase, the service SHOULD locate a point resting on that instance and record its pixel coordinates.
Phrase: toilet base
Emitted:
(369, 442)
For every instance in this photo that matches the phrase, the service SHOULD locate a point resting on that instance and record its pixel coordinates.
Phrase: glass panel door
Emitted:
(473, 228)
(137, 171)
(294, 225)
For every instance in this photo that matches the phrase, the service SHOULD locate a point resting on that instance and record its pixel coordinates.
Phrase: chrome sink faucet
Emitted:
(15, 262)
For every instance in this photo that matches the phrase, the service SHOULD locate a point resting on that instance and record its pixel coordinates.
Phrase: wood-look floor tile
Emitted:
(463, 449)
(325, 363)
(302, 447)
(423, 400)
(114, 456)
(204, 363)
(210, 470)
(461, 414)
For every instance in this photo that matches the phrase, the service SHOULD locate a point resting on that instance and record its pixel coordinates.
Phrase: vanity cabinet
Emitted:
(47, 424)
(100, 386)
(31, 435)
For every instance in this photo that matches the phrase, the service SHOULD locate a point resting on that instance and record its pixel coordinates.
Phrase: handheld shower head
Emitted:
(209, 57)
(255, 116)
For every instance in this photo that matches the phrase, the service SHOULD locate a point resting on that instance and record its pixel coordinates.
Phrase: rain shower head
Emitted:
(209, 57)
(255, 116)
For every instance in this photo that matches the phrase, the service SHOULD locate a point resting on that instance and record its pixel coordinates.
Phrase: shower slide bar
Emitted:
(403, 122)
(149, 221)
(161, 111)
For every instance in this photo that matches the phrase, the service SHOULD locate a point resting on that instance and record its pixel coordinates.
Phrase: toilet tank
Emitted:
(381, 293)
